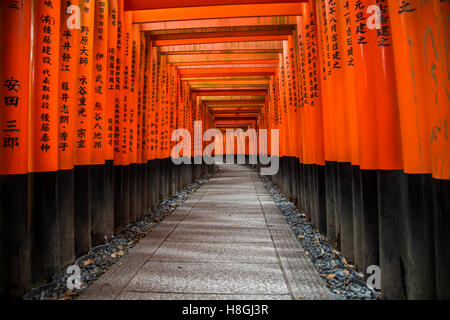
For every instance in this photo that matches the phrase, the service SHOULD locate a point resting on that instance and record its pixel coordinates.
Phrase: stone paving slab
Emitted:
(225, 213)
(227, 241)
(220, 234)
(201, 277)
(253, 252)
(136, 295)
(229, 222)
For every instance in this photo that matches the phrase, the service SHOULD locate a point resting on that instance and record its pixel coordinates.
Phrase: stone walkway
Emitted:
(227, 241)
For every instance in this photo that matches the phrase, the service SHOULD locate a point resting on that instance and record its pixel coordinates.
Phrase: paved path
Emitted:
(227, 241)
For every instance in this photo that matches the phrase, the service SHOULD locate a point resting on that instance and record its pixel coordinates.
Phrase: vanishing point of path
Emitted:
(227, 241)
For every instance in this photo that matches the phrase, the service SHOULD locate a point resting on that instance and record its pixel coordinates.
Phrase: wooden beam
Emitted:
(216, 12)
(233, 98)
(227, 71)
(233, 93)
(230, 82)
(159, 43)
(218, 23)
(238, 103)
(208, 58)
(224, 78)
(180, 64)
(218, 32)
(224, 47)
(152, 4)
(228, 88)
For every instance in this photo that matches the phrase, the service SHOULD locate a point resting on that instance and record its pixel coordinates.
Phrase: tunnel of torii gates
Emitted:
(361, 102)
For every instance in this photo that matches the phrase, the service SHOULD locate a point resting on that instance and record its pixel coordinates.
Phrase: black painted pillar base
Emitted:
(183, 169)
(157, 187)
(369, 221)
(126, 201)
(313, 201)
(330, 203)
(294, 179)
(418, 225)
(66, 217)
(309, 196)
(321, 198)
(119, 222)
(82, 209)
(337, 213)
(166, 179)
(180, 175)
(109, 199)
(138, 191)
(161, 176)
(282, 174)
(287, 177)
(298, 196)
(173, 177)
(301, 187)
(197, 168)
(15, 236)
(346, 209)
(153, 186)
(442, 237)
(357, 217)
(169, 177)
(189, 173)
(146, 201)
(391, 227)
(133, 192)
(98, 227)
(274, 178)
(45, 250)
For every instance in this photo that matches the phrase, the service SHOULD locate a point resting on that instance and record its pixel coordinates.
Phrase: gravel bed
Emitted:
(340, 277)
(101, 258)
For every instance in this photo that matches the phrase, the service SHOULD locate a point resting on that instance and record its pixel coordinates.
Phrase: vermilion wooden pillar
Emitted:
(15, 238)
(44, 142)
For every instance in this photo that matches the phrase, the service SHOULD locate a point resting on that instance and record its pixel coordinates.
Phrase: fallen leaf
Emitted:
(299, 297)
(301, 236)
(65, 298)
(88, 262)
(346, 272)
(113, 255)
(331, 276)
(120, 253)
(70, 293)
